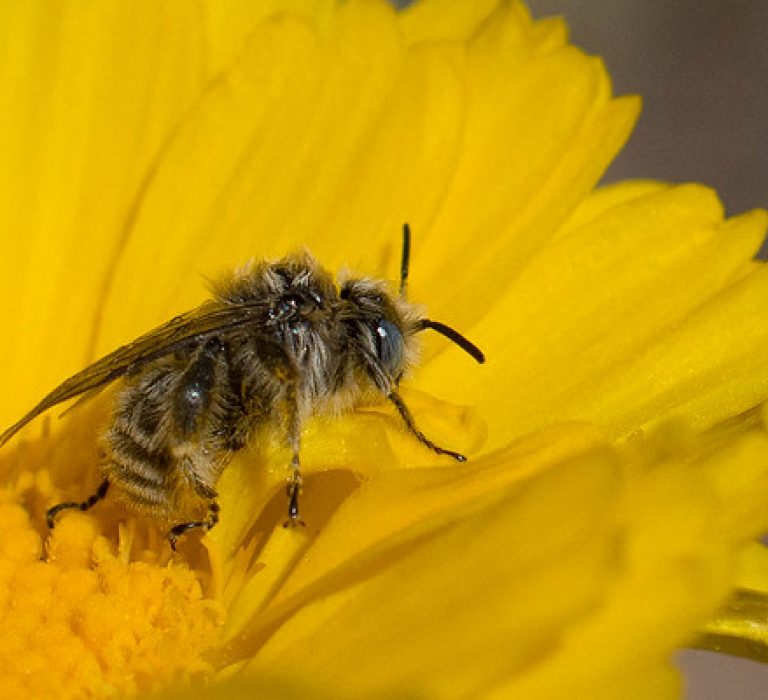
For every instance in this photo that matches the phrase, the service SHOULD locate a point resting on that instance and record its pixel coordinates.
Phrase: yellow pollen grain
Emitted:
(87, 622)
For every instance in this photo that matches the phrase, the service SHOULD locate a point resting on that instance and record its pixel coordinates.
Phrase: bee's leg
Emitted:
(177, 531)
(293, 490)
(87, 504)
(293, 430)
(402, 409)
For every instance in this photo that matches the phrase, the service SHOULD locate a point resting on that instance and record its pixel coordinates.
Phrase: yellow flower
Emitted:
(619, 467)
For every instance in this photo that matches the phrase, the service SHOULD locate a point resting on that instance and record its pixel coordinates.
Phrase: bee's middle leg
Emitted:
(178, 530)
(52, 513)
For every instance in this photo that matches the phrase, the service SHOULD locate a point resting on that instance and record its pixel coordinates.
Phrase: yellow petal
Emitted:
(260, 164)
(639, 557)
(430, 20)
(527, 159)
(230, 24)
(508, 589)
(569, 567)
(393, 501)
(625, 324)
(89, 94)
(379, 511)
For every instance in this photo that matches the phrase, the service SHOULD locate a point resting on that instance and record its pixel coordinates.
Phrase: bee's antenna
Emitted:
(453, 335)
(405, 260)
(466, 345)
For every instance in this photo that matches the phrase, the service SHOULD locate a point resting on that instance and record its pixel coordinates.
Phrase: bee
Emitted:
(278, 342)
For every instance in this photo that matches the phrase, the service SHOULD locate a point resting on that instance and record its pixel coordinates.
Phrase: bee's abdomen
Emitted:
(140, 472)
(138, 459)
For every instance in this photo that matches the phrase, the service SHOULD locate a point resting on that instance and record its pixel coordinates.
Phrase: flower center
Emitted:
(81, 613)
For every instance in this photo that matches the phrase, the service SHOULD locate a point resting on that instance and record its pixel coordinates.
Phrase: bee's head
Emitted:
(383, 326)
(381, 329)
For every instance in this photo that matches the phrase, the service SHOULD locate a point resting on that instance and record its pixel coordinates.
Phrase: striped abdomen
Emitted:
(165, 444)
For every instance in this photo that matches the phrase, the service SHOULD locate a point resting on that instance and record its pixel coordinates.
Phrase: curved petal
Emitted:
(267, 164)
(527, 159)
(373, 517)
(645, 308)
(89, 94)
(542, 611)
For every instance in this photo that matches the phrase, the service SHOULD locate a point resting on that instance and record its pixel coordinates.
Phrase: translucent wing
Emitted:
(212, 319)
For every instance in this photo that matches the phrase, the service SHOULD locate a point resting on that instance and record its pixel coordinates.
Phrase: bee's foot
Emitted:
(175, 532)
(292, 523)
(294, 489)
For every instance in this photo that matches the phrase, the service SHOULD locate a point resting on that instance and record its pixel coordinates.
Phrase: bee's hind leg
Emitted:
(87, 504)
(178, 530)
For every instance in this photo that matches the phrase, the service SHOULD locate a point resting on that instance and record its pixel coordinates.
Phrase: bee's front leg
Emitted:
(407, 417)
(293, 437)
(293, 490)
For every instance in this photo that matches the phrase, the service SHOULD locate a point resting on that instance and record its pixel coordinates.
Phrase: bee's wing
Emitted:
(212, 319)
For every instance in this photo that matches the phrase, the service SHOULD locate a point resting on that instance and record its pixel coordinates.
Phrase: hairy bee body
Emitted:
(278, 342)
(165, 441)
(178, 420)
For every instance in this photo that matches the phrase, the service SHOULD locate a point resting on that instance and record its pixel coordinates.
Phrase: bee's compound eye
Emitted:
(389, 346)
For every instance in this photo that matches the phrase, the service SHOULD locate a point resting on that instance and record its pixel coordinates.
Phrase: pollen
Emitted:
(84, 616)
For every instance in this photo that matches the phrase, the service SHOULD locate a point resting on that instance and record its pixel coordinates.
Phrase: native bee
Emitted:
(279, 341)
